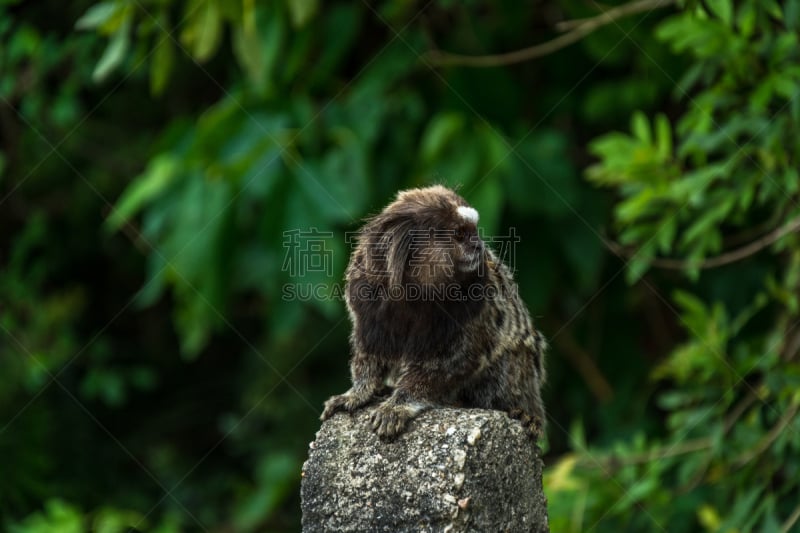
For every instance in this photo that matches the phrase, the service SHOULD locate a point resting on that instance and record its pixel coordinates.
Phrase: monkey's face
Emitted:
(448, 248)
(426, 236)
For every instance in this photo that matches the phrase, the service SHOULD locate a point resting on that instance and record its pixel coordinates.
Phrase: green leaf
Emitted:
(690, 304)
(663, 138)
(258, 51)
(203, 29)
(636, 206)
(746, 18)
(638, 265)
(642, 489)
(112, 520)
(614, 150)
(723, 9)
(97, 15)
(707, 223)
(301, 11)
(792, 10)
(161, 64)
(745, 504)
(709, 518)
(666, 234)
(275, 478)
(773, 8)
(198, 249)
(440, 131)
(702, 38)
(249, 17)
(160, 174)
(640, 127)
(58, 516)
(114, 53)
(105, 385)
(577, 435)
(337, 185)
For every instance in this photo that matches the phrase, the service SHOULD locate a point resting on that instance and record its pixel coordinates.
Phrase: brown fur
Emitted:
(437, 316)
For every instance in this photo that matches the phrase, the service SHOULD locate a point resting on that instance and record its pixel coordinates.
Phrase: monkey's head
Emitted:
(427, 236)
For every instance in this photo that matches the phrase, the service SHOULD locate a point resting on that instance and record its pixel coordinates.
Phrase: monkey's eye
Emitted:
(461, 234)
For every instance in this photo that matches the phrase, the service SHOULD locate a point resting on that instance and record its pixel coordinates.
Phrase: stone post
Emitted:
(453, 470)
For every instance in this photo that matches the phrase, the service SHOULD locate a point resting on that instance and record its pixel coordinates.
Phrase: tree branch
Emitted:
(580, 29)
(720, 260)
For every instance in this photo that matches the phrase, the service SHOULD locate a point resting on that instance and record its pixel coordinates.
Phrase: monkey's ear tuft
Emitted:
(468, 213)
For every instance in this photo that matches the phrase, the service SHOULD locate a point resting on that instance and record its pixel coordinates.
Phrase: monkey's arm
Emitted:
(514, 384)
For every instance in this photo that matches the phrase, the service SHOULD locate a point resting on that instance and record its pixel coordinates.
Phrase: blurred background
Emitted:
(176, 174)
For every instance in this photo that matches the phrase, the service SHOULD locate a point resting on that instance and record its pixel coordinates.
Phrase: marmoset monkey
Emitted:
(436, 316)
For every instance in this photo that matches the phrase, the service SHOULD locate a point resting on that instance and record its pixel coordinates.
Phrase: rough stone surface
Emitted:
(453, 470)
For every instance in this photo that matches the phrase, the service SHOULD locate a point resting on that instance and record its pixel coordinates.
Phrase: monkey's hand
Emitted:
(388, 421)
(391, 417)
(351, 400)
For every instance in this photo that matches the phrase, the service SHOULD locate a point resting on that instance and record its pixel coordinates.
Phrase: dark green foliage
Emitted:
(156, 155)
